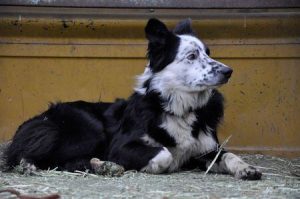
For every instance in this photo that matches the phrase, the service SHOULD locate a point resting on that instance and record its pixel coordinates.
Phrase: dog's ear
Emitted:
(156, 31)
(162, 45)
(184, 28)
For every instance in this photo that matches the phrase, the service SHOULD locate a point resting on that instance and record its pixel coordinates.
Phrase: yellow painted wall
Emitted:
(58, 54)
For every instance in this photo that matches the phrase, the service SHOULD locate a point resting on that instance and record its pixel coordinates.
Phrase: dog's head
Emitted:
(179, 60)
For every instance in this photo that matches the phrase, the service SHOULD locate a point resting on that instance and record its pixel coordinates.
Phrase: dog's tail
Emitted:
(65, 133)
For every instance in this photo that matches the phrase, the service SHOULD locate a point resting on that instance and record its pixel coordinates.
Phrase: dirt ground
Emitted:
(280, 180)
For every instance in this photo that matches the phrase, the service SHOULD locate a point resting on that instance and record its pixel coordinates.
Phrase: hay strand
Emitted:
(219, 151)
(280, 175)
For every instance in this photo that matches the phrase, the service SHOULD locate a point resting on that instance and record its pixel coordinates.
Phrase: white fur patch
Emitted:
(159, 163)
(178, 101)
(230, 163)
(141, 79)
(187, 146)
(233, 163)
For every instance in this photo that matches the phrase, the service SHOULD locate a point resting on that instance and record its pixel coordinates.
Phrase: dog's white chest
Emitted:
(187, 146)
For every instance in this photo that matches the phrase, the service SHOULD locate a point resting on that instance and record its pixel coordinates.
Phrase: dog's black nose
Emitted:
(227, 72)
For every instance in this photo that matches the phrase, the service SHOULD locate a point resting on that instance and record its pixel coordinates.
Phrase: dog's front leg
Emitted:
(232, 164)
(136, 155)
(159, 163)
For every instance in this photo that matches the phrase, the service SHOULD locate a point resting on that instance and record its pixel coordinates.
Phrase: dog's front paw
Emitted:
(248, 173)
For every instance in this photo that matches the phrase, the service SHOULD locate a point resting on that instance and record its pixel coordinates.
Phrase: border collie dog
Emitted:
(169, 121)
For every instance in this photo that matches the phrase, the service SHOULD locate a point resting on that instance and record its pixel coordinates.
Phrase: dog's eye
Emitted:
(192, 56)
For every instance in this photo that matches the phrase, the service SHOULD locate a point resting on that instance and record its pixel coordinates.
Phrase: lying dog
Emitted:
(169, 121)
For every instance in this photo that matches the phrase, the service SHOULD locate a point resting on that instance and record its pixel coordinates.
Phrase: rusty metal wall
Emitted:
(61, 54)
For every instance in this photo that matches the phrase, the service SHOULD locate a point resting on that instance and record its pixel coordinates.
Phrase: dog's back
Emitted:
(67, 136)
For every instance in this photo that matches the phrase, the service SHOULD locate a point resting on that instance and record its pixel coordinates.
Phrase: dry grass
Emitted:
(279, 181)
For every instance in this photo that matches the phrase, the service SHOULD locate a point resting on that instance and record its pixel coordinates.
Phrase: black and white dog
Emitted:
(169, 121)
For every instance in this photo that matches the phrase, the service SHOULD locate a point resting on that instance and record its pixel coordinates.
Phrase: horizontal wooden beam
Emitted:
(86, 25)
(290, 152)
(139, 50)
(158, 3)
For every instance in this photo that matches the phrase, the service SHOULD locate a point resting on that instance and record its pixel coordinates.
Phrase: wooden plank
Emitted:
(158, 3)
(139, 50)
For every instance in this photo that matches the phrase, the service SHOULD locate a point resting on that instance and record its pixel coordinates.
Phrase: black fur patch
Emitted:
(141, 116)
(162, 45)
(209, 115)
(207, 50)
(201, 162)
(65, 132)
(184, 28)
